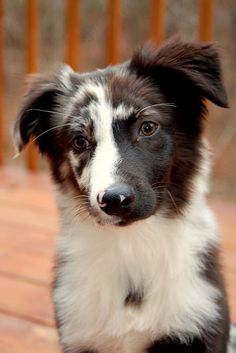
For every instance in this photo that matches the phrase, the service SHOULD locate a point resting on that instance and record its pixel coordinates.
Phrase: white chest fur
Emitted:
(160, 256)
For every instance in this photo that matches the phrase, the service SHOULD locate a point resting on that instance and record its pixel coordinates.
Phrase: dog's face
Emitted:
(125, 141)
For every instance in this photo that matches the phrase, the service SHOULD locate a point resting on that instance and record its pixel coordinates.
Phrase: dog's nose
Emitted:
(116, 199)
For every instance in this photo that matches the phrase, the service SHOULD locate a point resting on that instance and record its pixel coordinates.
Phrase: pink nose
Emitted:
(100, 197)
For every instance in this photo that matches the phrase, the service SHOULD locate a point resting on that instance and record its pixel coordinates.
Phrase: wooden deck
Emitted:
(28, 224)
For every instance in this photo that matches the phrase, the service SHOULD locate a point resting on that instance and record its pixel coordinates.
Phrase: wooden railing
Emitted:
(32, 57)
(158, 13)
(1, 85)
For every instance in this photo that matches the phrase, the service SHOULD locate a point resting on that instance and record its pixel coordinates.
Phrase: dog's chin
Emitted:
(116, 221)
(110, 220)
(102, 219)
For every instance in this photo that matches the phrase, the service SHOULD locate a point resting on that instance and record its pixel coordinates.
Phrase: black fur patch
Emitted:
(134, 298)
(214, 342)
(173, 346)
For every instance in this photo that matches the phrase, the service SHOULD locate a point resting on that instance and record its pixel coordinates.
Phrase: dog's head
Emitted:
(125, 141)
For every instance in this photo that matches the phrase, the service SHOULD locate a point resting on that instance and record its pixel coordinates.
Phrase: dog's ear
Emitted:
(183, 70)
(36, 114)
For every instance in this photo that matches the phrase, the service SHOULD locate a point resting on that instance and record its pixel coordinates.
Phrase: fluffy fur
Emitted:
(140, 275)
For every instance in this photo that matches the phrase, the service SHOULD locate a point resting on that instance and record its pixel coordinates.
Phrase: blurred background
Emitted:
(37, 36)
(134, 28)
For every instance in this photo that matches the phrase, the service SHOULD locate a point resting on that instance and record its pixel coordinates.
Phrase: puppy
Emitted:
(137, 266)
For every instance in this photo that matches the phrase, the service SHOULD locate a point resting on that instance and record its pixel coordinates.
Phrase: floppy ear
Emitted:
(36, 114)
(184, 71)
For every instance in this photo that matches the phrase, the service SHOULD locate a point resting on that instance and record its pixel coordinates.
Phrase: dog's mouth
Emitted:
(112, 220)
(103, 219)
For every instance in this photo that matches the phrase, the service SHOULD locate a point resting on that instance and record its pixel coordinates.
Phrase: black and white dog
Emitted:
(137, 258)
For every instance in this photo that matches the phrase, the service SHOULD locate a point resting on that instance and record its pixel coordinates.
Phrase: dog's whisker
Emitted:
(173, 201)
(86, 217)
(164, 184)
(81, 211)
(16, 155)
(45, 132)
(158, 187)
(156, 105)
(84, 206)
(85, 197)
(161, 192)
(81, 201)
(51, 112)
(81, 207)
(79, 216)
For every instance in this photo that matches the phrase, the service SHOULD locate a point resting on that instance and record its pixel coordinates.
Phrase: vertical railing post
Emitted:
(1, 85)
(113, 31)
(158, 20)
(72, 33)
(206, 20)
(32, 53)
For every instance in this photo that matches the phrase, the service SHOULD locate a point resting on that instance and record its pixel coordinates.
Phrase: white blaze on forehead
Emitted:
(100, 172)
(123, 111)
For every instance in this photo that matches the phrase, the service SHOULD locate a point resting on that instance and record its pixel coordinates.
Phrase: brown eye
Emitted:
(80, 143)
(148, 128)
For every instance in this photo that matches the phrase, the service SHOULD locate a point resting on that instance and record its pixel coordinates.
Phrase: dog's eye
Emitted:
(80, 143)
(148, 128)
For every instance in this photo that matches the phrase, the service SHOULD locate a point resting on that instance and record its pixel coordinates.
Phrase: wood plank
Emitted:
(24, 237)
(35, 200)
(26, 300)
(21, 336)
(27, 201)
(18, 186)
(29, 266)
(13, 176)
(27, 216)
(230, 281)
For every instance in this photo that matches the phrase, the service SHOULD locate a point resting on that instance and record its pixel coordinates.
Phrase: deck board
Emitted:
(27, 300)
(23, 336)
(28, 224)
(28, 265)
